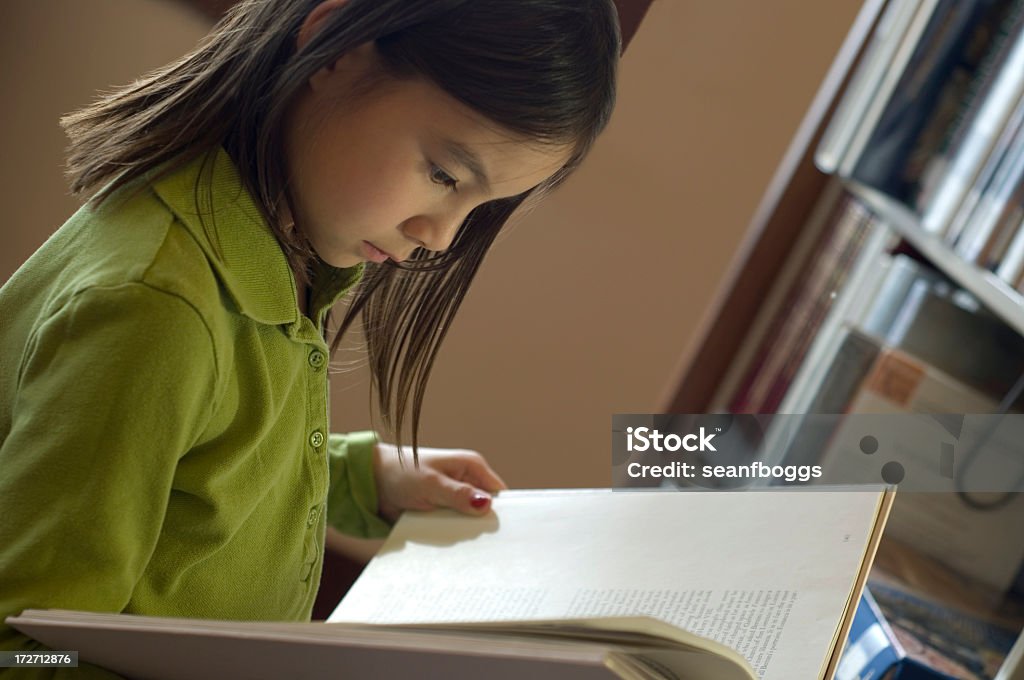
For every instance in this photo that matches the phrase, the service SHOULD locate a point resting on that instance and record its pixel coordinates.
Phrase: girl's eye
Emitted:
(439, 176)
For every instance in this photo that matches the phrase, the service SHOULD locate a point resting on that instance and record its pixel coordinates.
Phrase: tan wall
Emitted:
(584, 307)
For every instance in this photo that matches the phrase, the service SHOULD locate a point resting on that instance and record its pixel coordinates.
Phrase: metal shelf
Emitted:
(990, 290)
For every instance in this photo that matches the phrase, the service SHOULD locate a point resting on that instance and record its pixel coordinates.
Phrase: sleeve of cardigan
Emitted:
(112, 389)
(352, 499)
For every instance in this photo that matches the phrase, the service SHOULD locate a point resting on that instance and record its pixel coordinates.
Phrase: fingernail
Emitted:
(479, 501)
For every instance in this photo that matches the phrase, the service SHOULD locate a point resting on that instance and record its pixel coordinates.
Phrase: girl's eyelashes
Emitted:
(439, 176)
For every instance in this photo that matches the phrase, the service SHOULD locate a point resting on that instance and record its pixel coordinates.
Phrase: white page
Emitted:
(767, 572)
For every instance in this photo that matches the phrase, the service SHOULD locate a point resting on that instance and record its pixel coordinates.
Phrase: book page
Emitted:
(768, 573)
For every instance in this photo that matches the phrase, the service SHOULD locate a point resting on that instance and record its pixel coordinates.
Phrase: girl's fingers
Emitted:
(465, 498)
(484, 477)
(447, 478)
(473, 468)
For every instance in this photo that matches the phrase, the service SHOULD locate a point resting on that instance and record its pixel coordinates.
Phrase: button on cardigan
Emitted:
(163, 415)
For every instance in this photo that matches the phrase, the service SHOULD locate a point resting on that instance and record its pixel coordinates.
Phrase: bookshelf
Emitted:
(750, 290)
(791, 209)
(913, 152)
(786, 205)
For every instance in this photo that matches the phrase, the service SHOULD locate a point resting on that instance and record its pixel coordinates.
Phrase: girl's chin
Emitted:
(341, 260)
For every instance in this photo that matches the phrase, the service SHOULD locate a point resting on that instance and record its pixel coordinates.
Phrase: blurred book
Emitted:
(940, 636)
(805, 306)
(930, 114)
(994, 62)
(871, 83)
(874, 652)
(926, 101)
(872, 649)
(990, 199)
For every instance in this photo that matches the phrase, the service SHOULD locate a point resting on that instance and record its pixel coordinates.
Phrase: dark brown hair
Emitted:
(543, 70)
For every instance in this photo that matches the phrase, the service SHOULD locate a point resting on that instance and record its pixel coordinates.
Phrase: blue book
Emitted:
(872, 650)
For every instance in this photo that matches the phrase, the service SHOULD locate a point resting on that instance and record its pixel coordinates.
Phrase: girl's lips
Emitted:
(373, 253)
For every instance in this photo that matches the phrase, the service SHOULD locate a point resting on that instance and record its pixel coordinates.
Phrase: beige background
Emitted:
(584, 307)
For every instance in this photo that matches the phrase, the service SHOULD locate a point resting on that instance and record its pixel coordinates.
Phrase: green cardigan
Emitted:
(164, 415)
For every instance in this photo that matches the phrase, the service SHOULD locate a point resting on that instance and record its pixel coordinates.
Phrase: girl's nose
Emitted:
(434, 233)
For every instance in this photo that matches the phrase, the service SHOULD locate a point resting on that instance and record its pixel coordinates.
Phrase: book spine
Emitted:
(991, 205)
(979, 85)
(767, 319)
(864, 85)
(820, 301)
(747, 397)
(887, 162)
(887, 86)
(894, 296)
(981, 88)
(978, 142)
(793, 319)
(862, 283)
(1002, 234)
(1012, 264)
(853, 359)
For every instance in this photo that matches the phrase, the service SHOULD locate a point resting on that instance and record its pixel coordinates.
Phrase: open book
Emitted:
(552, 584)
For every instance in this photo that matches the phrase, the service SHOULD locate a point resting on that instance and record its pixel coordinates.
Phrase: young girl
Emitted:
(163, 357)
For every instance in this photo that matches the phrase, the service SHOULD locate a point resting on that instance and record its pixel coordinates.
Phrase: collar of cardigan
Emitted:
(207, 196)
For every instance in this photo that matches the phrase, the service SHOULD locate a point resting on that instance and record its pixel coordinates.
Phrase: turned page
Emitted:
(768, 573)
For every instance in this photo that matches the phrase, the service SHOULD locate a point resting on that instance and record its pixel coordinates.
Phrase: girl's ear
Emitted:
(355, 61)
(339, 76)
(315, 19)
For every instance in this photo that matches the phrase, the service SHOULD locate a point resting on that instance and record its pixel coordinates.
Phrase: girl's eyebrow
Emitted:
(465, 157)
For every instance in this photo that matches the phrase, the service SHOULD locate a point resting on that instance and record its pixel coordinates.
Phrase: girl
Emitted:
(163, 357)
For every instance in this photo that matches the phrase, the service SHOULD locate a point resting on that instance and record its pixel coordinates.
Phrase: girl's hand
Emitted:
(446, 478)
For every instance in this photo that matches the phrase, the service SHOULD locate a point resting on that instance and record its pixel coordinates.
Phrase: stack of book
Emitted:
(806, 304)
(934, 117)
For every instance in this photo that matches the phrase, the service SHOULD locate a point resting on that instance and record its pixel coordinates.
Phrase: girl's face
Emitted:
(400, 168)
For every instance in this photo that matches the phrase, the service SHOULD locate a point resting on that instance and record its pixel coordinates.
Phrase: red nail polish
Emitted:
(479, 501)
